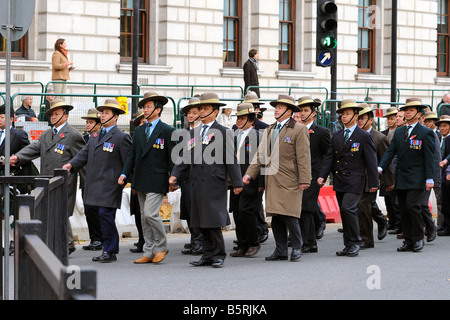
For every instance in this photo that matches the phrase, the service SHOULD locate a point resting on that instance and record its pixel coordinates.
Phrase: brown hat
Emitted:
(111, 104)
(349, 104)
(245, 108)
(252, 97)
(442, 119)
(152, 96)
(210, 98)
(92, 114)
(192, 103)
(137, 120)
(414, 102)
(430, 115)
(308, 102)
(390, 111)
(286, 100)
(365, 109)
(57, 104)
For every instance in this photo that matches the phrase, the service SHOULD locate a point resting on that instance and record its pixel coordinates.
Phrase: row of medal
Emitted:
(108, 147)
(415, 144)
(159, 144)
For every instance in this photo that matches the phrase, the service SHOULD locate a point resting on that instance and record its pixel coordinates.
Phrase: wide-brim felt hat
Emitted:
(349, 104)
(365, 109)
(152, 96)
(92, 114)
(111, 104)
(210, 98)
(245, 108)
(307, 102)
(192, 103)
(430, 115)
(390, 111)
(252, 97)
(286, 100)
(413, 102)
(442, 119)
(137, 120)
(57, 104)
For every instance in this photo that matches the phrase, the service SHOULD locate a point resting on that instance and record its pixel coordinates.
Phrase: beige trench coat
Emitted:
(285, 167)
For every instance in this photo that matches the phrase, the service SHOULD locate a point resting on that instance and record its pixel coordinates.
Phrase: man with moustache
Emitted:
(209, 156)
(284, 151)
(319, 141)
(351, 158)
(414, 146)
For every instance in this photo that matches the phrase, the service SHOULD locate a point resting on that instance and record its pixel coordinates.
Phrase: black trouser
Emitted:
(412, 221)
(281, 227)
(185, 214)
(348, 206)
(245, 214)
(135, 210)
(365, 217)
(213, 244)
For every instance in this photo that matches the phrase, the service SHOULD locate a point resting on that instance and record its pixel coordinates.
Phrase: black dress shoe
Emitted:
(382, 231)
(349, 251)
(217, 263)
(296, 254)
(366, 246)
(275, 257)
(94, 246)
(137, 250)
(105, 257)
(405, 247)
(417, 246)
(431, 235)
(309, 248)
(443, 233)
(320, 230)
(202, 262)
(395, 231)
(264, 237)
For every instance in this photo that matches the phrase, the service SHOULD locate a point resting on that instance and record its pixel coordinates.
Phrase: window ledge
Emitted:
(27, 65)
(232, 72)
(445, 81)
(370, 77)
(126, 68)
(294, 75)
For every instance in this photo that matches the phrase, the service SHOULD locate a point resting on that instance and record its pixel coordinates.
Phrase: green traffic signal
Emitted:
(329, 42)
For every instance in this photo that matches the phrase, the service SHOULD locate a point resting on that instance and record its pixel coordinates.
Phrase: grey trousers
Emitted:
(152, 226)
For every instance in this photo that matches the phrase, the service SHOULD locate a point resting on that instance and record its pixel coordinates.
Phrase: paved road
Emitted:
(379, 273)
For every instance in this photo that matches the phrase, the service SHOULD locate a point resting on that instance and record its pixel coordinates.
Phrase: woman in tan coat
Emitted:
(284, 158)
(61, 66)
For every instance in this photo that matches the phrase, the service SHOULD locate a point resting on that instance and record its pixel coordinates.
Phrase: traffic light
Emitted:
(326, 33)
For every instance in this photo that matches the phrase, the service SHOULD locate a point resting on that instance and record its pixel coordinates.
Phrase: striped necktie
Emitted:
(147, 131)
(347, 134)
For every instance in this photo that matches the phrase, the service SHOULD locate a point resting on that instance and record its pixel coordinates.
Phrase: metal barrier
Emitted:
(191, 86)
(440, 106)
(290, 89)
(40, 275)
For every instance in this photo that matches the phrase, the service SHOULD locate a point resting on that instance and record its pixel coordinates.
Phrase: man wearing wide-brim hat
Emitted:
(150, 163)
(414, 146)
(352, 160)
(443, 220)
(319, 142)
(209, 172)
(430, 119)
(103, 157)
(284, 151)
(390, 115)
(56, 147)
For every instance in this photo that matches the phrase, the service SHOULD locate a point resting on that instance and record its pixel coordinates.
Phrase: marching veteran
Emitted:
(150, 160)
(285, 155)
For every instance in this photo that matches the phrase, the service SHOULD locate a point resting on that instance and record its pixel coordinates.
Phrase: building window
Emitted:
(366, 35)
(18, 48)
(126, 30)
(231, 32)
(442, 38)
(286, 34)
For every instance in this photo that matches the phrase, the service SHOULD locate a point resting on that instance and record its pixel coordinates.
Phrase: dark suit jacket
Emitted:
(414, 166)
(151, 161)
(210, 165)
(103, 167)
(381, 144)
(350, 161)
(250, 77)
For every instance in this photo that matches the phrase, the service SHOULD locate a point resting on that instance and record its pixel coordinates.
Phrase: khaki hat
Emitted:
(152, 96)
(414, 102)
(286, 100)
(442, 119)
(210, 98)
(430, 115)
(365, 109)
(308, 101)
(137, 120)
(111, 104)
(390, 111)
(245, 108)
(252, 97)
(349, 104)
(57, 104)
(92, 114)
(192, 103)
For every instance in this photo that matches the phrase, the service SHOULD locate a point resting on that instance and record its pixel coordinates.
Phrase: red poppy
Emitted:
(61, 135)
(95, 134)
(311, 131)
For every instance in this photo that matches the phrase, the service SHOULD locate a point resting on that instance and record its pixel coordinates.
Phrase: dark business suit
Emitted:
(251, 77)
(415, 164)
(209, 184)
(319, 138)
(350, 162)
(104, 159)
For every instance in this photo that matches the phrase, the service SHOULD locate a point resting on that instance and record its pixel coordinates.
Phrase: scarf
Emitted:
(255, 63)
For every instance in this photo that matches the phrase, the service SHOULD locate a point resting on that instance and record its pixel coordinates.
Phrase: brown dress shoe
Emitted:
(159, 256)
(238, 253)
(252, 251)
(143, 260)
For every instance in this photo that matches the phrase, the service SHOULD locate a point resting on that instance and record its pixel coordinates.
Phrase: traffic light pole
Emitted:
(333, 72)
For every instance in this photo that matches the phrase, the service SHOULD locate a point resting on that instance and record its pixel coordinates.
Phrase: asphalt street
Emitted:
(380, 273)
